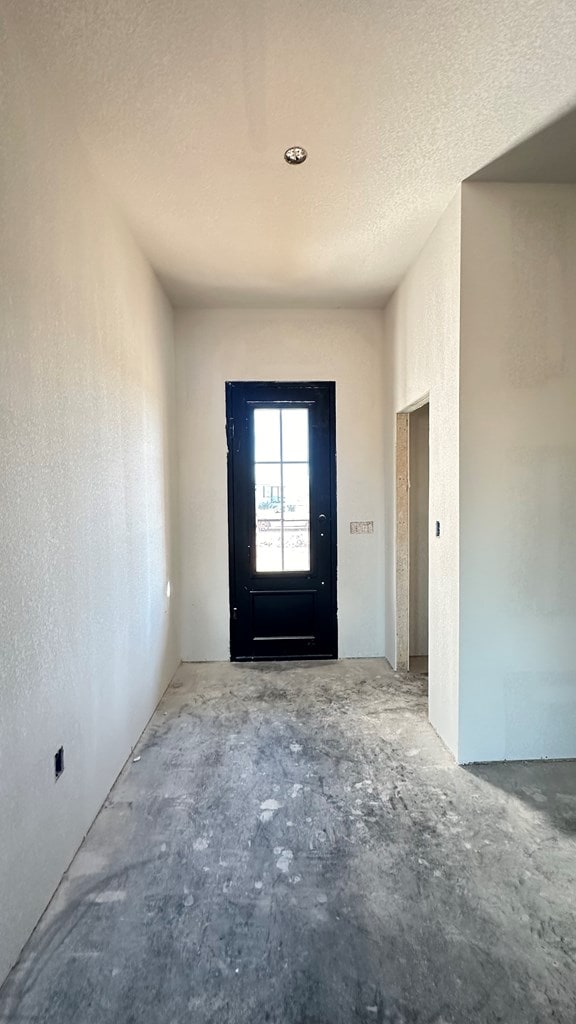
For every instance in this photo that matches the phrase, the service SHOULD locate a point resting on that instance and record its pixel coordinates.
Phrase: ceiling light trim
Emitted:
(295, 155)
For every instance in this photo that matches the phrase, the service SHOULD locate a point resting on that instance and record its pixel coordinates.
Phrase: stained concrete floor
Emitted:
(295, 846)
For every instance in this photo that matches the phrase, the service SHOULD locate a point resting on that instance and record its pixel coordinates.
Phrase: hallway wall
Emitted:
(518, 472)
(87, 637)
(218, 345)
(422, 350)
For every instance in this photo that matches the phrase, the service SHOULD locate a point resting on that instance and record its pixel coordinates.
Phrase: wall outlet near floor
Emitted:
(58, 763)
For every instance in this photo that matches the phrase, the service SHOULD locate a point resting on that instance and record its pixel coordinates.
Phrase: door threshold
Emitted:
(289, 657)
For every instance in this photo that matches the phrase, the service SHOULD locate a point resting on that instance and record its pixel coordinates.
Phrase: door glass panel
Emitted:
(282, 490)
(268, 483)
(296, 516)
(267, 435)
(295, 435)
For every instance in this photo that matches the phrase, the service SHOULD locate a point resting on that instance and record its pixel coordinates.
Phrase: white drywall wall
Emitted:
(214, 346)
(518, 472)
(419, 530)
(422, 328)
(86, 546)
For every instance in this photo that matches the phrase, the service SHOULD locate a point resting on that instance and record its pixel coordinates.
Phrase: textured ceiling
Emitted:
(186, 107)
(549, 156)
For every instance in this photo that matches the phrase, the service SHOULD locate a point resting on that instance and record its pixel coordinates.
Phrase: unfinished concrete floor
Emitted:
(419, 664)
(295, 846)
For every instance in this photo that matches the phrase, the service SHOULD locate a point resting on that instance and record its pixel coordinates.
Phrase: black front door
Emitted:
(282, 520)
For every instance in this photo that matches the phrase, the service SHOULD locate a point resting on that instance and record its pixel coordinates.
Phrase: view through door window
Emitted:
(282, 489)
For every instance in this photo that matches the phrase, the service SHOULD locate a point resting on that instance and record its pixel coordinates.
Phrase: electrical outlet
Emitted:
(58, 763)
(367, 527)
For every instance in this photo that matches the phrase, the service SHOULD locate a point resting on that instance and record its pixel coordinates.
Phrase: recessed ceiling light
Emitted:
(295, 155)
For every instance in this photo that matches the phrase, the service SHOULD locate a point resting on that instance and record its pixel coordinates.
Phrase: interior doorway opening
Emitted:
(412, 537)
(418, 494)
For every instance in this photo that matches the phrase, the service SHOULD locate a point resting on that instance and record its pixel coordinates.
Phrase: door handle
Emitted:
(321, 517)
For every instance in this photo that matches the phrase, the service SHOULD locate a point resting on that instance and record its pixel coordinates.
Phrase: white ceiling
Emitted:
(549, 156)
(187, 106)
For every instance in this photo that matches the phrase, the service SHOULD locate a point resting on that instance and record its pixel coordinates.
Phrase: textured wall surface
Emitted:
(422, 326)
(518, 472)
(340, 345)
(86, 369)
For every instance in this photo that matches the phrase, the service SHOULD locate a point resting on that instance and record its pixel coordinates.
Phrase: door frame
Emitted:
(266, 384)
(402, 534)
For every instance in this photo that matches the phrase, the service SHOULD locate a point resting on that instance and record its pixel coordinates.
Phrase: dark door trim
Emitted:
(299, 580)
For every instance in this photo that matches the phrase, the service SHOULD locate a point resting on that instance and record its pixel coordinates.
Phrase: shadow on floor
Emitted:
(548, 787)
(419, 665)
